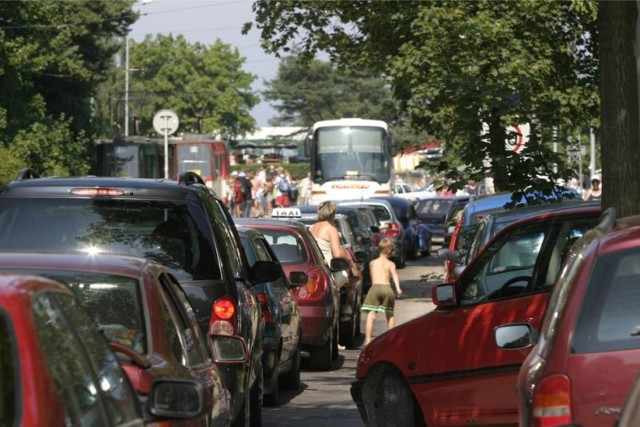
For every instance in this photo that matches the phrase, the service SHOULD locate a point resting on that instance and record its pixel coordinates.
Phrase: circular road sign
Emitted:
(165, 121)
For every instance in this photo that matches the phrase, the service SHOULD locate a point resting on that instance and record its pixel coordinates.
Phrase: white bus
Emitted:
(350, 159)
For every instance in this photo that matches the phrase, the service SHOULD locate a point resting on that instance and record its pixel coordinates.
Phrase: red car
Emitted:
(57, 370)
(444, 368)
(350, 284)
(145, 315)
(588, 348)
(319, 298)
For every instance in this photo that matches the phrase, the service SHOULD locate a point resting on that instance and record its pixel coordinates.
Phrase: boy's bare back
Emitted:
(380, 269)
(383, 271)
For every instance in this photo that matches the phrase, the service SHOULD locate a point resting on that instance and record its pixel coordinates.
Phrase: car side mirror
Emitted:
(514, 336)
(266, 271)
(444, 295)
(443, 252)
(229, 349)
(176, 399)
(298, 278)
(338, 264)
(374, 229)
(454, 256)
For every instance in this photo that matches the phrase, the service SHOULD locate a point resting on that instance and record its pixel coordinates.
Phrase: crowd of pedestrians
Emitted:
(255, 194)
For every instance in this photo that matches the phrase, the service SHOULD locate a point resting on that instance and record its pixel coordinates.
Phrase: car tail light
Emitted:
(264, 304)
(223, 317)
(393, 231)
(552, 401)
(96, 191)
(315, 287)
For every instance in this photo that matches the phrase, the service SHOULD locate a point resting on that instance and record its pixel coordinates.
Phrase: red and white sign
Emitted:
(517, 138)
(517, 142)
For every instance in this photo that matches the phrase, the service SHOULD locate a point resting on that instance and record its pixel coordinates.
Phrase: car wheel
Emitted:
(255, 405)
(415, 251)
(291, 380)
(427, 250)
(388, 400)
(271, 399)
(322, 355)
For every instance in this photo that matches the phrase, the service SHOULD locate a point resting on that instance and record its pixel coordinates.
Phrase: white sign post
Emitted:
(166, 122)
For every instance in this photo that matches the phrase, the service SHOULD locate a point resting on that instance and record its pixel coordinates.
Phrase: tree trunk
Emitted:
(620, 132)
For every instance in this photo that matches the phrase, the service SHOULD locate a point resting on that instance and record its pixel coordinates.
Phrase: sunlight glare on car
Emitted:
(92, 250)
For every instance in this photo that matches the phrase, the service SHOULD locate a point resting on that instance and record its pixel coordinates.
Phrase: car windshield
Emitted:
(168, 232)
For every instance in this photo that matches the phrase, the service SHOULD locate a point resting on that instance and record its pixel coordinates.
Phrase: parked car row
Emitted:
(159, 265)
(525, 288)
(319, 298)
(398, 221)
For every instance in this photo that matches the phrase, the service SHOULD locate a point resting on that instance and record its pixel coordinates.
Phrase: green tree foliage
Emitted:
(306, 92)
(52, 55)
(193, 80)
(456, 65)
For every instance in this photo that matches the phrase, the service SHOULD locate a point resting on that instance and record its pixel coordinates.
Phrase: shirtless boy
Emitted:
(380, 297)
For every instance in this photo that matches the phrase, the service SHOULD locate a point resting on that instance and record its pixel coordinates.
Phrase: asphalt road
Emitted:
(324, 399)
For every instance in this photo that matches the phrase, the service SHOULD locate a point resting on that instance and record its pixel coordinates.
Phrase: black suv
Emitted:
(182, 225)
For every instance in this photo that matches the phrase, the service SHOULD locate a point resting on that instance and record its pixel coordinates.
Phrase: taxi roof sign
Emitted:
(286, 213)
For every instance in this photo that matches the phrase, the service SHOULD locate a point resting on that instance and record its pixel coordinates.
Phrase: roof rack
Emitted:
(27, 173)
(189, 178)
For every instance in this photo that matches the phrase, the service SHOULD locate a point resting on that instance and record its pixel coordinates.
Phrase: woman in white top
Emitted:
(326, 234)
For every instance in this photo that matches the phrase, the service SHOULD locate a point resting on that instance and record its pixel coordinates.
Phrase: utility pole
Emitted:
(126, 86)
(126, 79)
(554, 139)
(592, 153)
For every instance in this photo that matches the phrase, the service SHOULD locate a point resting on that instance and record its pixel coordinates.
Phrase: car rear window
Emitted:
(113, 301)
(286, 245)
(609, 319)
(439, 207)
(172, 233)
(82, 366)
(382, 214)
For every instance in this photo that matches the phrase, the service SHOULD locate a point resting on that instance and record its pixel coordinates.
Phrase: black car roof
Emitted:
(133, 187)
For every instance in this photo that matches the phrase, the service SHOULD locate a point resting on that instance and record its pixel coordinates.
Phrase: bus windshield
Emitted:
(358, 153)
